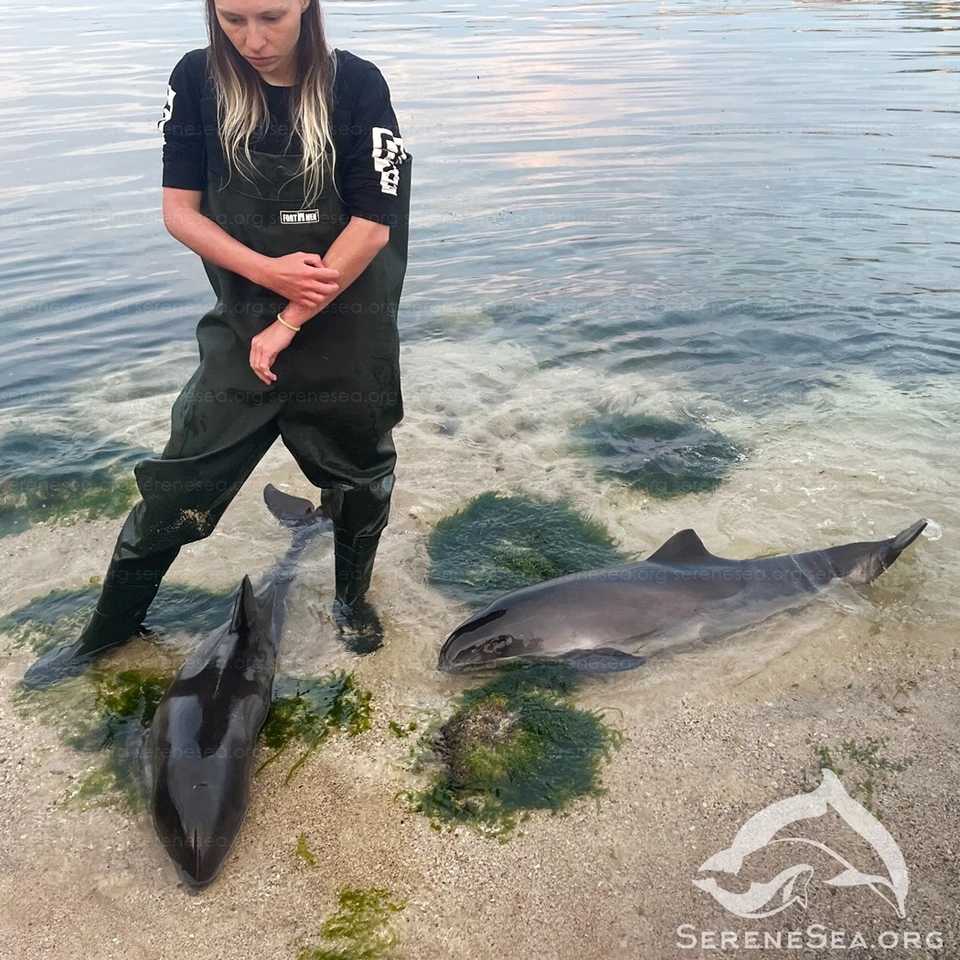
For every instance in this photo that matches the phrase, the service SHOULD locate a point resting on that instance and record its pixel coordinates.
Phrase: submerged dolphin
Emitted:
(613, 619)
(198, 754)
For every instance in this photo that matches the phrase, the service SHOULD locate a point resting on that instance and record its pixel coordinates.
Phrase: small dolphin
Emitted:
(614, 618)
(198, 754)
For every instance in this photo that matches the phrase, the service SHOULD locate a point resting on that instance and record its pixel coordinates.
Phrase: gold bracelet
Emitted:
(289, 326)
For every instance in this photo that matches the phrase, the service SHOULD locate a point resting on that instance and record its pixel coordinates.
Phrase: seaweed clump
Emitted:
(360, 929)
(104, 715)
(306, 711)
(498, 543)
(123, 709)
(515, 744)
(661, 457)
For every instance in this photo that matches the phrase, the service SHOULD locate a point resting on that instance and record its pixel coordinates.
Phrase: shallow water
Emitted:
(731, 216)
(739, 216)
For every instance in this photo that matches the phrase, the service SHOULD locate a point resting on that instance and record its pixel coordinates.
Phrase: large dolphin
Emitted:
(198, 753)
(614, 618)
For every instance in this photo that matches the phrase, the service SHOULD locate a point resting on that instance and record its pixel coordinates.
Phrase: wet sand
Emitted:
(712, 735)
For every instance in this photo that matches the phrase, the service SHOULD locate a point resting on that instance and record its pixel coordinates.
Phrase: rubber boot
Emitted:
(356, 618)
(129, 587)
(358, 516)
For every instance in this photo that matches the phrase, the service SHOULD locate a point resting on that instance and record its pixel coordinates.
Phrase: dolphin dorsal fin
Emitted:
(682, 547)
(244, 609)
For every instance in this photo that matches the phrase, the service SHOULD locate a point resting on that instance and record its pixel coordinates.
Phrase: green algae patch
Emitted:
(304, 852)
(451, 324)
(864, 772)
(59, 616)
(401, 731)
(661, 457)
(120, 700)
(104, 715)
(499, 543)
(123, 708)
(515, 744)
(63, 476)
(306, 711)
(360, 929)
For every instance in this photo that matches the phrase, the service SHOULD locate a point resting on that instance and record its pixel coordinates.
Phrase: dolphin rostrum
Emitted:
(198, 754)
(614, 618)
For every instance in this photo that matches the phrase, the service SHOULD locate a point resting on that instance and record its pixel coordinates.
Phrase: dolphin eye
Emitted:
(496, 644)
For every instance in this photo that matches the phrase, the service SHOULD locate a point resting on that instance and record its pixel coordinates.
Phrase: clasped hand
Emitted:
(302, 278)
(309, 286)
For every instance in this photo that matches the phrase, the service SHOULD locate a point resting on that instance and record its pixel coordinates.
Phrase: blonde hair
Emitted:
(242, 104)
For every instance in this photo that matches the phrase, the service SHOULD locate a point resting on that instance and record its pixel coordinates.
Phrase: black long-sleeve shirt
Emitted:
(364, 127)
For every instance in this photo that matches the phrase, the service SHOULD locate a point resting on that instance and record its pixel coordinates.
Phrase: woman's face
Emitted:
(265, 33)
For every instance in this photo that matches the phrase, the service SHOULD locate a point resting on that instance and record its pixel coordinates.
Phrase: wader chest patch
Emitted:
(299, 216)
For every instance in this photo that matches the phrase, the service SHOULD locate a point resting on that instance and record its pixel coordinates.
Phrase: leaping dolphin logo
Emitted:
(791, 885)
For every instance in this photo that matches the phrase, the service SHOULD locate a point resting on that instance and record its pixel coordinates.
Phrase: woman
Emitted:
(285, 171)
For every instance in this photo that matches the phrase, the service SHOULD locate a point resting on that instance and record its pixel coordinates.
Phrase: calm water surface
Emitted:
(750, 193)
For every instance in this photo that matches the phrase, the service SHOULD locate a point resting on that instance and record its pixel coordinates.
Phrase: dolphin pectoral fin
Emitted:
(602, 660)
(137, 746)
(291, 511)
(682, 547)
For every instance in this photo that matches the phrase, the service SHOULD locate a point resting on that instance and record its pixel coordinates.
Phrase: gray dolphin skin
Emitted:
(198, 754)
(614, 618)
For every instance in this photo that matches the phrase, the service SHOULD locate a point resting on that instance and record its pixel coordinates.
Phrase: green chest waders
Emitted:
(334, 403)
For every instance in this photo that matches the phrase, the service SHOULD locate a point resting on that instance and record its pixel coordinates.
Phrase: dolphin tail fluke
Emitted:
(863, 562)
(292, 511)
(892, 548)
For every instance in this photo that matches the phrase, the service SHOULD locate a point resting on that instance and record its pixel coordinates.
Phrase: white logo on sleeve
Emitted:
(167, 107)
(388, 154)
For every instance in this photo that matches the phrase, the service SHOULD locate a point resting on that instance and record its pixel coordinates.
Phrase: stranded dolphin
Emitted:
(614, 618)
(198, 754)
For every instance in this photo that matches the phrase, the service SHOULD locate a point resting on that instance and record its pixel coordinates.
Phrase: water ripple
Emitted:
(616, 165)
